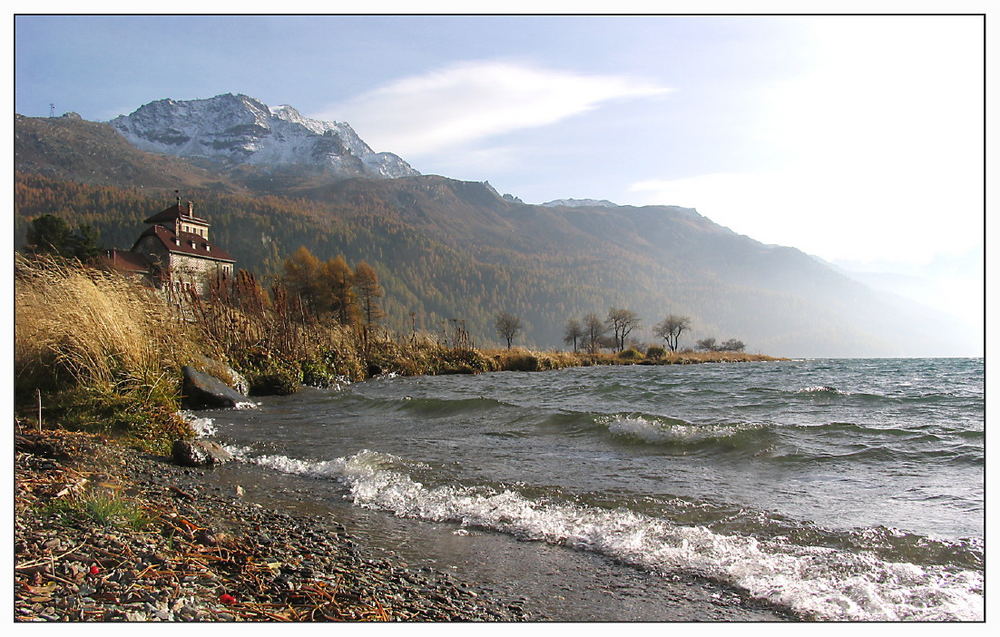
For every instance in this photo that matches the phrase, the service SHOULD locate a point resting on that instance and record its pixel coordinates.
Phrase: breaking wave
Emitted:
(818, 582)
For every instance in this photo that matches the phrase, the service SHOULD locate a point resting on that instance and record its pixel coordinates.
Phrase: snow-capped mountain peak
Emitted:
(243, 130)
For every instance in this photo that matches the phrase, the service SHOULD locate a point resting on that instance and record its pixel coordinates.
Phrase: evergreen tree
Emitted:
(49, 234)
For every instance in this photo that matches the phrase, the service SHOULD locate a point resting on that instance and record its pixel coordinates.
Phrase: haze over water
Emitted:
(839, 489)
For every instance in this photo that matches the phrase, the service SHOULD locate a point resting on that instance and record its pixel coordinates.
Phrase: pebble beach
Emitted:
(197, 553)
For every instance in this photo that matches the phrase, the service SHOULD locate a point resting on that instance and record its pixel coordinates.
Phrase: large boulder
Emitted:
(203, 391)
(223, 372)
(199, 453)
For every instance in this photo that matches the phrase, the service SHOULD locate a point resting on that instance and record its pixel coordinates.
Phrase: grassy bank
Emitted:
(103, 353)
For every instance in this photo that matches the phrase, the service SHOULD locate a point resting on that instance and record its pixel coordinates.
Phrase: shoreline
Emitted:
(204, 555)
(209, 552)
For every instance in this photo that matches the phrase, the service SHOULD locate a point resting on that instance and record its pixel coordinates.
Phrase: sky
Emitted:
(857, 139)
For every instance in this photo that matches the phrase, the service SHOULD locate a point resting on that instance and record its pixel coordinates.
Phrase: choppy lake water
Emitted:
(839, 489)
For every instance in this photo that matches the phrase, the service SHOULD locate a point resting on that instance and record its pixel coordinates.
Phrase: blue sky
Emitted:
(856, 139)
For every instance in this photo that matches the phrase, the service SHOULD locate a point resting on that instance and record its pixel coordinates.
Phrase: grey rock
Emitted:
(203, 391)
(235, 380)
(199, 453)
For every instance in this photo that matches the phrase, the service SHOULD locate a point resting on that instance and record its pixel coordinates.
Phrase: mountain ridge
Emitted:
(243, 130)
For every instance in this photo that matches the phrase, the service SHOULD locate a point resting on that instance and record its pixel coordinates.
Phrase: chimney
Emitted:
(190, 209)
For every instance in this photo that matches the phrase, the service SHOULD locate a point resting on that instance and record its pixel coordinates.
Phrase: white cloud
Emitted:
(470, 101)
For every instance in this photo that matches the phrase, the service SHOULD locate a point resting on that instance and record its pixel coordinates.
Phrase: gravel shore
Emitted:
(107, 533)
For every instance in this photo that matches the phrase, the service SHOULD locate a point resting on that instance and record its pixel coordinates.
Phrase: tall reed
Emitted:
(96, 343)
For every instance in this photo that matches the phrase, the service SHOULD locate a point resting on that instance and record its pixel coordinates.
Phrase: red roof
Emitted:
(173, 212)
(190, 244)
(127, 261)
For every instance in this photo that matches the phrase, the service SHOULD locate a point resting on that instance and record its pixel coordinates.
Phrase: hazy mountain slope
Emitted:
(449, 249)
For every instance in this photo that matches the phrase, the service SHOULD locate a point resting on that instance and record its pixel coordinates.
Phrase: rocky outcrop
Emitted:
(203, 391)
(199, 453)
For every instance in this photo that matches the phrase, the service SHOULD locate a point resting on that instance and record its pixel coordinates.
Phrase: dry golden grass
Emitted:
(93, 328)
(520, 359)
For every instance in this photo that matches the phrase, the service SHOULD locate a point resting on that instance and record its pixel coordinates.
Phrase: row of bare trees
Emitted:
(592, 333)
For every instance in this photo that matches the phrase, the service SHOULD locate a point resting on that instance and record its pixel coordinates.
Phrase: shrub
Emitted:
(631, 354)
(275, 378)
(655, 351)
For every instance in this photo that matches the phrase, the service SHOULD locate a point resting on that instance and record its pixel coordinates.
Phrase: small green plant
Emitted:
(655, 351)
(143, 415)
(101, 507)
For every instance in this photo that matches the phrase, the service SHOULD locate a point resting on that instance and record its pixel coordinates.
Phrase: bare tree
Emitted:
(508, 326)
(622, 321)
(574, 332)
(593, 331)
(706, 344)
(732, 345)
(670, 329)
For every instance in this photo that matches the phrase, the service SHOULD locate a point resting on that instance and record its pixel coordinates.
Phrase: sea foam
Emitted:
(817, 582)
(203, 427)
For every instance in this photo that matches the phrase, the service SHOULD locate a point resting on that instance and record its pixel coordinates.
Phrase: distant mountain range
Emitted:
(449, 249)
(243, 130)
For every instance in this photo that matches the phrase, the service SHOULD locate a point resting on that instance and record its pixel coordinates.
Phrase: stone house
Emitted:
(175, 254)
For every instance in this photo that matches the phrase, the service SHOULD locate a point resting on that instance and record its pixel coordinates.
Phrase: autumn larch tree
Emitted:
(302, 279)
(338, 280)
(670, 329)
(369, 292)
(508, 326)
(574, 332)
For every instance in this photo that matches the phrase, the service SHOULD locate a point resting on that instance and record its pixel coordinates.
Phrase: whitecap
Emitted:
(818, 582)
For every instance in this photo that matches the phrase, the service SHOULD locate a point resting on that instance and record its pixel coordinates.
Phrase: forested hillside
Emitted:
(446, 249)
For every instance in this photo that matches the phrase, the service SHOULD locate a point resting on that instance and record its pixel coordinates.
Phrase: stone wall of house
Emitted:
(194, 272)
